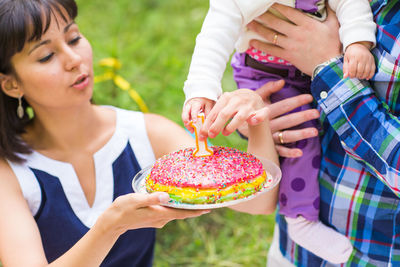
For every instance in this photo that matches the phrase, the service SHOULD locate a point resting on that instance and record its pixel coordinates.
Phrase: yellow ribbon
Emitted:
(112, 65)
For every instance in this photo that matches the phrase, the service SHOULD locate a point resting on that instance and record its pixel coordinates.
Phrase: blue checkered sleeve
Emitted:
(367, 128)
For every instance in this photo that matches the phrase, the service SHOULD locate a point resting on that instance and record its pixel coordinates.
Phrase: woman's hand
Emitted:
(280, 122)
(304, 41)
(134, 211)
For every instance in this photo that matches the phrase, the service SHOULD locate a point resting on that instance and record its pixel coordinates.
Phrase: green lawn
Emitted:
(154, 40)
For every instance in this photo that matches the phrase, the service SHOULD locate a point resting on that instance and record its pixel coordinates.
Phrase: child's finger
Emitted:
(345, 68)
(372, 69)
(372, 73)
(352, 68)
(196, 109)
(186, 118)
(367, 71)
(360, 70)
(186, 113)
(237, 120)
(219, 123)
(211, 117)
(259, 116)
(225, 109)
(207, 108)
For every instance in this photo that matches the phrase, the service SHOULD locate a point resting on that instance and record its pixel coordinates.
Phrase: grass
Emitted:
(154, 40)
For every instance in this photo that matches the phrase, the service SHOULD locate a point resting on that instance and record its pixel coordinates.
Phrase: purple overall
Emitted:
(299, 189)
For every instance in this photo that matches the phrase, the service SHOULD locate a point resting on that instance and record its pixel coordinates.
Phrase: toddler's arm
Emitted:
(359, 61)
(221, 28)
(214, 45)
(357, 34)
(356, 21)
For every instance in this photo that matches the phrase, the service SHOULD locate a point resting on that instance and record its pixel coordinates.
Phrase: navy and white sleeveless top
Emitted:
(59, 206)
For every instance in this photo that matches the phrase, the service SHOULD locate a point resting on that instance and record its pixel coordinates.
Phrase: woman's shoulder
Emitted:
(159, 125)
(165, 135)
(8, 179)
(5, 169)
(154, 119)
(124, 117)
(142, 122)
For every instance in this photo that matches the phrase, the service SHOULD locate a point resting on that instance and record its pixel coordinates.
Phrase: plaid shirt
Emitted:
(359, 176)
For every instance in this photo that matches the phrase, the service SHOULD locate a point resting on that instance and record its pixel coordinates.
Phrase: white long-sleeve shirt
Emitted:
(224, 29)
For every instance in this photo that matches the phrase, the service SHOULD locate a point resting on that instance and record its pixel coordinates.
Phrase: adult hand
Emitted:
(134, 211)
(303, 41)
(281, 123)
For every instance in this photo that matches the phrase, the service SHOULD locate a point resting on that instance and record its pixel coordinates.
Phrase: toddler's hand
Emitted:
(193, 107)
(358, 61)
(231, 111)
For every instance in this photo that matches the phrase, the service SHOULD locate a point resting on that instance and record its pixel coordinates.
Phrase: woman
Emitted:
(66, 172)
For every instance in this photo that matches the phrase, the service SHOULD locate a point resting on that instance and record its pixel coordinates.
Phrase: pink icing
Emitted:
(226, 167)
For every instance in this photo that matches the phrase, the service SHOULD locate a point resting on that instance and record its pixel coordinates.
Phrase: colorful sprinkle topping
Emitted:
(226, 167)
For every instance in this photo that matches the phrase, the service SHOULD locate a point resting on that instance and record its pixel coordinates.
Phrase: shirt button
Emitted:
(323, 94)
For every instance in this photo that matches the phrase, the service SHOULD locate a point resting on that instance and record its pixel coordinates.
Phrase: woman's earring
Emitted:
(20, 109)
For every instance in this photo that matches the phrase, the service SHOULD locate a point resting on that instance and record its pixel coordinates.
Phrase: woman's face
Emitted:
(56, 72)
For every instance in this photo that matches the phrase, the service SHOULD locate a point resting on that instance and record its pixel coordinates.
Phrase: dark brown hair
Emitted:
(22, 21)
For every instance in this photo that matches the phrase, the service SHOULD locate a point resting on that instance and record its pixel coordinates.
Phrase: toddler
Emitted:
(224, 29)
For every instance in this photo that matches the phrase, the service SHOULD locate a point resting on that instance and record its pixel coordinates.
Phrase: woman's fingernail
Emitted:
(164, 197)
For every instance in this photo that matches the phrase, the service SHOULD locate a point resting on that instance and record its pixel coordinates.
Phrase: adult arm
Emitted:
(364, 123)
(19, 234)
(368, 130)
(282, 122)
(232, 110)
(261, 145)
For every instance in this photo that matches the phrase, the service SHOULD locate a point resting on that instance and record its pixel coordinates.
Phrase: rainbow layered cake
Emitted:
(226, 175)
